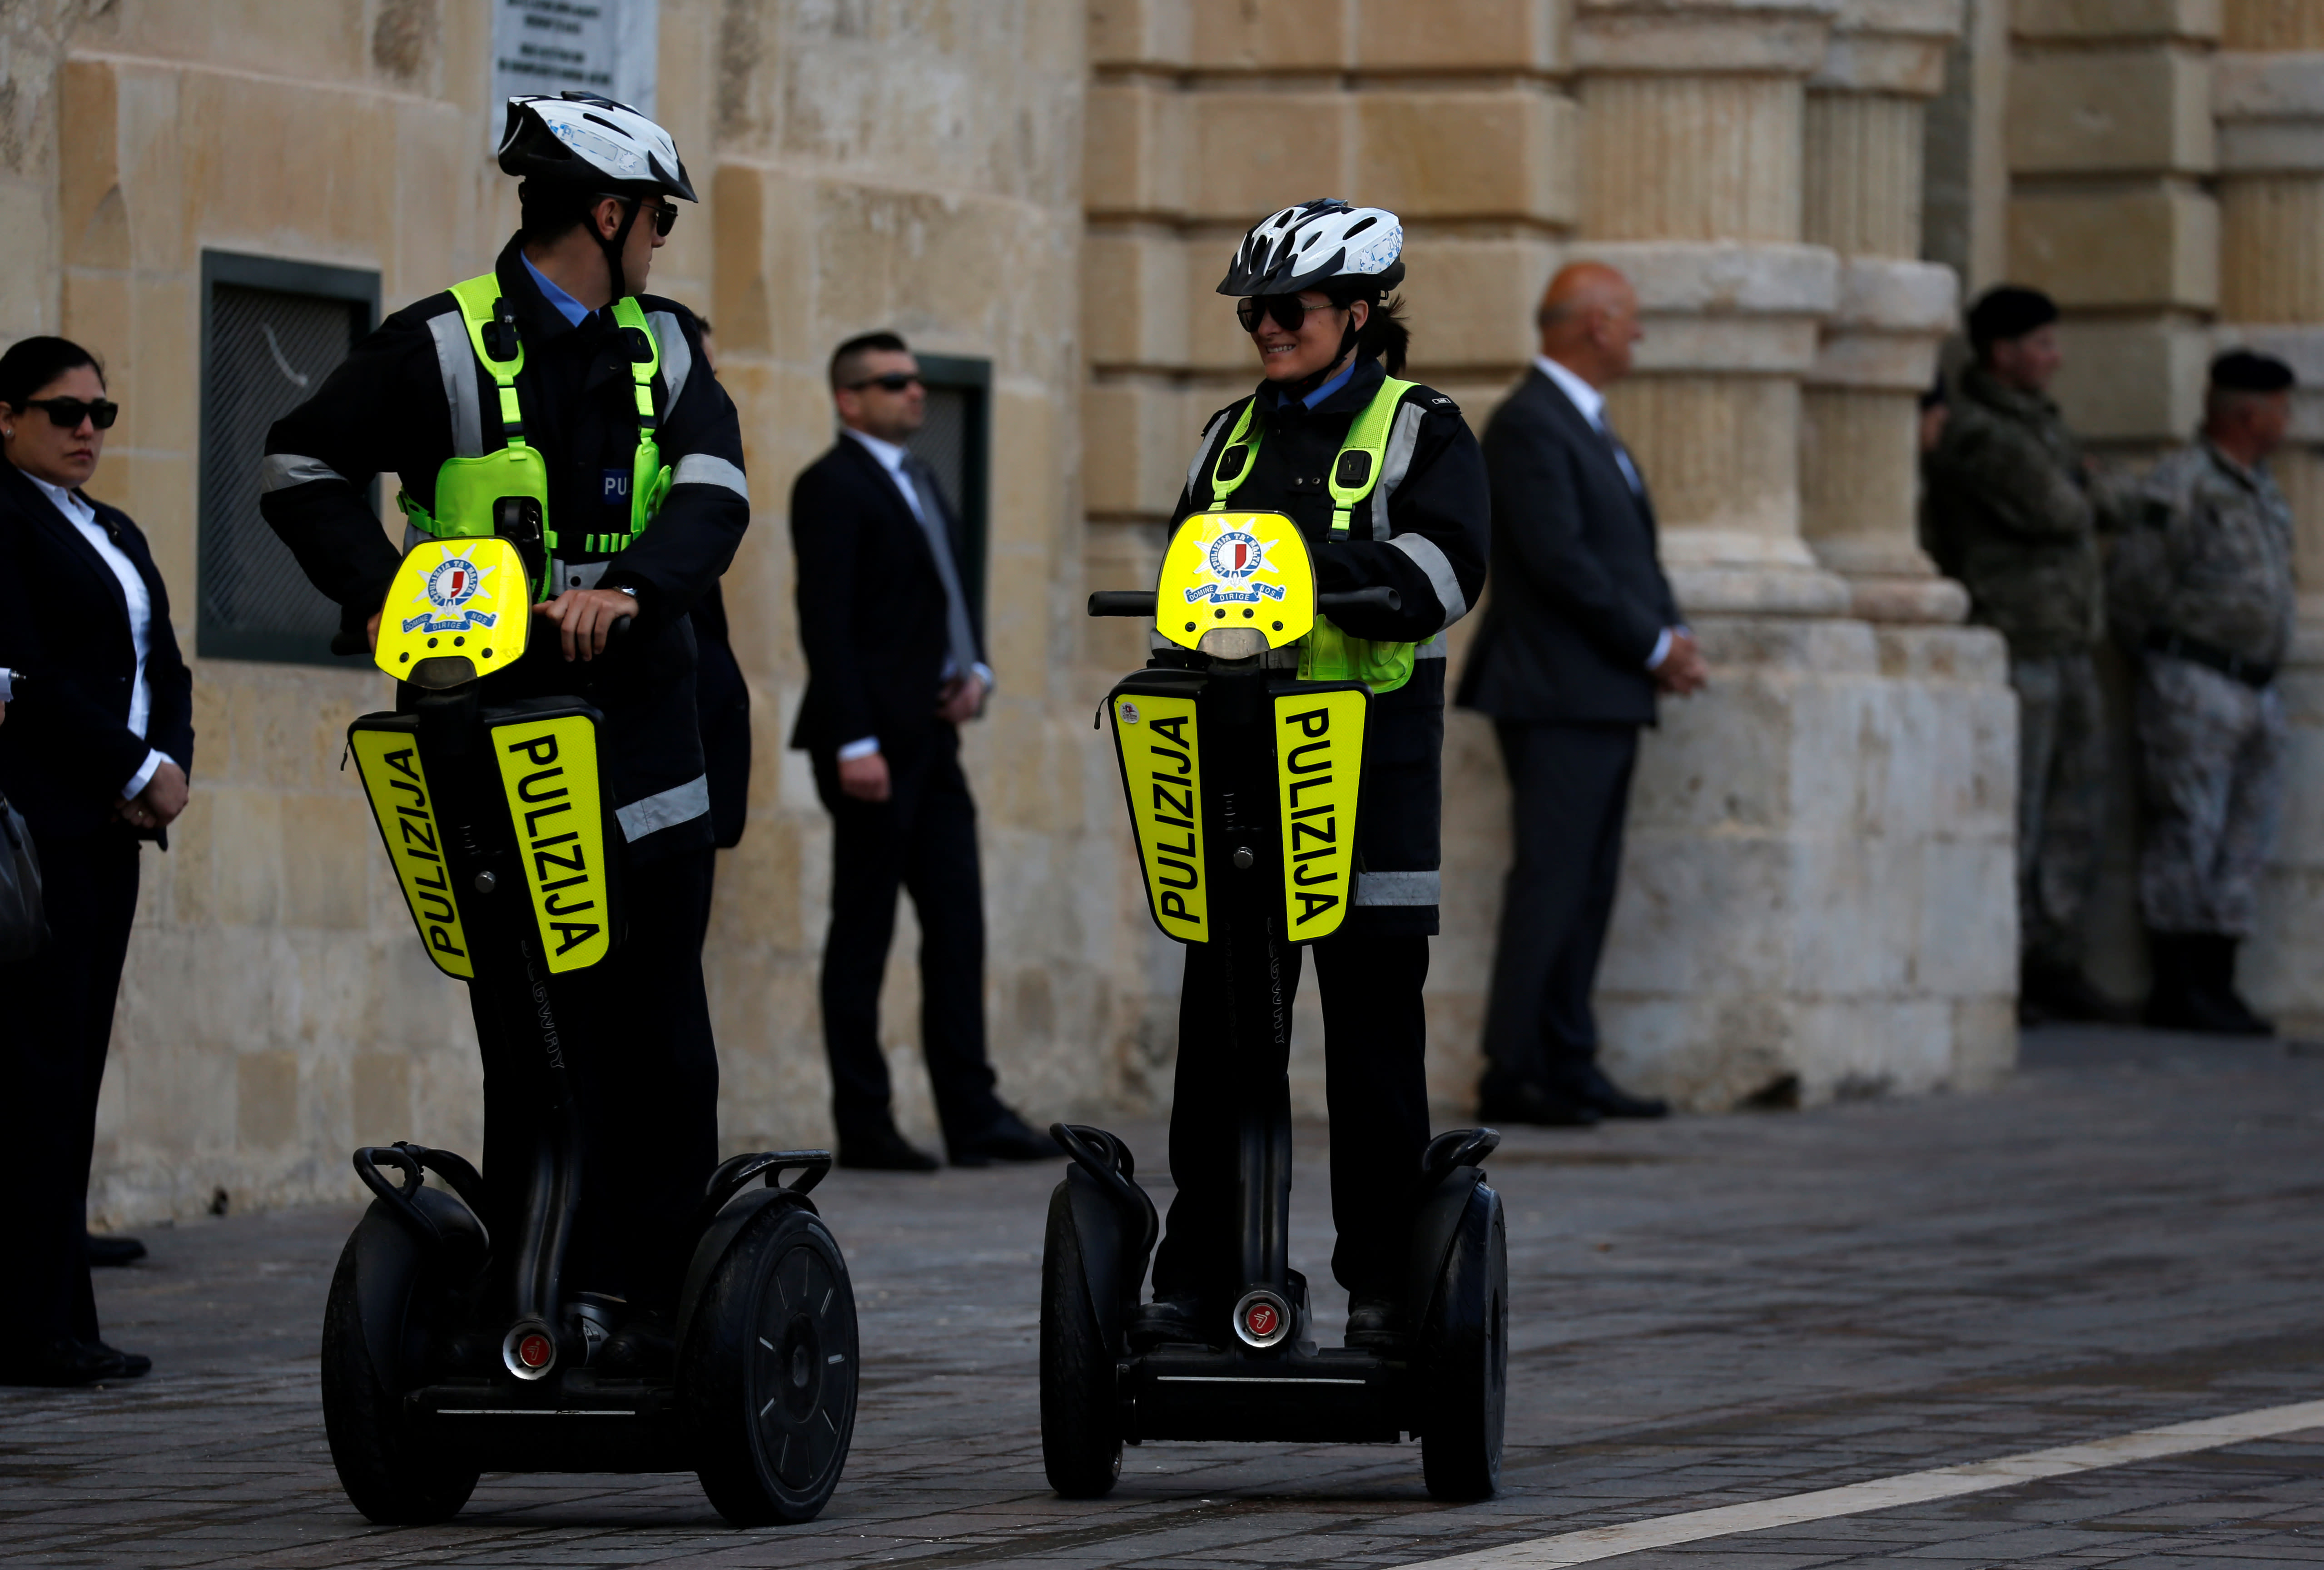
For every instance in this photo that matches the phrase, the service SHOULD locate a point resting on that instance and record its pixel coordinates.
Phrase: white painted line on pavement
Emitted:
(1597, 1543)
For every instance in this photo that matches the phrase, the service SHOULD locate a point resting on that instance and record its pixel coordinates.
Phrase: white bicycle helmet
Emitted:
(1316, 244)
(579, 138)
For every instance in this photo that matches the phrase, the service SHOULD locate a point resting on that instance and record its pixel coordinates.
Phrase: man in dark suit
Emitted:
(895, 666)
(1580, 635)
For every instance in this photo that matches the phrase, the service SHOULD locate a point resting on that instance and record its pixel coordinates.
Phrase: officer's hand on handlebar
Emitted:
(584, 618)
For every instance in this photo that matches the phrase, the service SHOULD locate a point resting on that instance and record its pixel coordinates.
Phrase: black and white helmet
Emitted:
(579, 138)
(1315, 243)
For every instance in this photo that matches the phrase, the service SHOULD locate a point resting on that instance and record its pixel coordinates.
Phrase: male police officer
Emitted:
(2013, 509)
(2203, 587)
(642, 500)
(1314, 281)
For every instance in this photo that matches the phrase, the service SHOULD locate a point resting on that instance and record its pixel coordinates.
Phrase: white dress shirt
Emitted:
(891, 457)
(1592, 402)
(83, 517)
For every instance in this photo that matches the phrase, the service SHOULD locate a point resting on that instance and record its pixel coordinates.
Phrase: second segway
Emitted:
(1242, 784)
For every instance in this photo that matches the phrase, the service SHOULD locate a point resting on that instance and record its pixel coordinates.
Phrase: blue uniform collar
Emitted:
(1326, 389)
(566, 306)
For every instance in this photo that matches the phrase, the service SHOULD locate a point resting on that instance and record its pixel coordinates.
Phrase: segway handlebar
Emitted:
(1140, 602)
(345, 643)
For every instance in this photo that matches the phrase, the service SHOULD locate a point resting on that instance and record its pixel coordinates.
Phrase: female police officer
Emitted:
(1314, 282)
(643, 502)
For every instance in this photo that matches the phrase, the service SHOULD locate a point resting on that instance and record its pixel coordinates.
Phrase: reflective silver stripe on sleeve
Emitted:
(676, 359)
(574, 575)
(1399, 888)
(1437, 648)
(700, 469)
(456, 360)
(279, 471)
(1431, 560)
(1203, 448)
(678, 804)
(1402, 435)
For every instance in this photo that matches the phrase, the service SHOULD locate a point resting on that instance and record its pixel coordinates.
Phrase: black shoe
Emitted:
(132, 1364)
(1172, 1320)
(885, 1152)
(64, 1363)
(1008, 1137)
(1375, 1325)
(644, 1348)
(2187, 994)
(2219, 977)
(2061, 992)
(1610, 1100)
(114, 1250)
(1530, 1104)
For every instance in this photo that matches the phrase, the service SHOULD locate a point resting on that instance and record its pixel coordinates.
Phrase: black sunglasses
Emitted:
(67, 413)
(665, 213)
(893, 382)
(1289, 311)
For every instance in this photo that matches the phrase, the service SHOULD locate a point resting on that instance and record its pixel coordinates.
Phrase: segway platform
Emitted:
(1241, 780)
(448, 1352)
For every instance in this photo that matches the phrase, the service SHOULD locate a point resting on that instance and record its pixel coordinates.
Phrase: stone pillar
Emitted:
(1860, 416)
(2268, 95)
(2110, 140)
(1817, 888)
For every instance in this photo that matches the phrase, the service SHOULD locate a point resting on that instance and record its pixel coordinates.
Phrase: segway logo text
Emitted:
(401, 804)
(548, 770)
(1319, 756)
(1161, 769)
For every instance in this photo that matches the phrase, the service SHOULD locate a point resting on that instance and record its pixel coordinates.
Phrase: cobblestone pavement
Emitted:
(1708, 1311)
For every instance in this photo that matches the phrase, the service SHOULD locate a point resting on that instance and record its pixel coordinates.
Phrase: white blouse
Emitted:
(83, 517)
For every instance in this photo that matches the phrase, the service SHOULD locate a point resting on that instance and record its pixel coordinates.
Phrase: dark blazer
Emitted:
(66, 748)
(872, 609)
(722, 699)
(1578, 598)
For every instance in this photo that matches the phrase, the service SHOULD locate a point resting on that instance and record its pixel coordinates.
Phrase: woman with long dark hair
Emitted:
(96, 752)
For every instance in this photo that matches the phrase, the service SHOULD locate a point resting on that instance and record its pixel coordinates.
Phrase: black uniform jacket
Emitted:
(413, 394)
(1424, 532)
(66, 748)
(870, 607)
(1579, 599)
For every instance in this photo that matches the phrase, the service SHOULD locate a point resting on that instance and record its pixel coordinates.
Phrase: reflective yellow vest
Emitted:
(1327, 653)
(469, 491)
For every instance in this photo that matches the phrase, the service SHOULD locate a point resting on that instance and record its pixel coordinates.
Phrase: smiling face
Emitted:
(61, 455)
(1284, 356)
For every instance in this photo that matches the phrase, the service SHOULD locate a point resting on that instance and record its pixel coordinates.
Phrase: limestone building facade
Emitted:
(1817, 895)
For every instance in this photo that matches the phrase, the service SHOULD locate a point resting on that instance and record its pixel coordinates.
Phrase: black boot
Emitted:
(1173, 1321)
(2219, 979)
(2182, 998)
(2061, 992)
(1375, 1325)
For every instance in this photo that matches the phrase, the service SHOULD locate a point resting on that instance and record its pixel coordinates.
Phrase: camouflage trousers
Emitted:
(2211, 757)
(2061, 762)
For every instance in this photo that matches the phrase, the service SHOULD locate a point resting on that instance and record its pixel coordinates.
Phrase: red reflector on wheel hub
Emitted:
(1261, 1319)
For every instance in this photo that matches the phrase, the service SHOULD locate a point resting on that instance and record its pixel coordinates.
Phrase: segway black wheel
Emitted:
(768, 1375)
(1081, 1423)
(390, 1474)
(1465, 1353)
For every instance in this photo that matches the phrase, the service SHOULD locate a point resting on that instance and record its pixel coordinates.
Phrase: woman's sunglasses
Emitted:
(1289, 311)
(67, 413)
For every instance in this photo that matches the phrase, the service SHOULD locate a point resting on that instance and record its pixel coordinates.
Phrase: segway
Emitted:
(447, 1351)
(1242, 781)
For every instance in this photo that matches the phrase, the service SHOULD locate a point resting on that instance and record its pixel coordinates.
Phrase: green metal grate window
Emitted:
(955, 442)
(271, 331)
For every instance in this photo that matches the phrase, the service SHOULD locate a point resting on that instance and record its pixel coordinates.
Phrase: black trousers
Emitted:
(921, 839)
(1375, 1090)
(643, 1071)
(56, 1017)
(1569, 790)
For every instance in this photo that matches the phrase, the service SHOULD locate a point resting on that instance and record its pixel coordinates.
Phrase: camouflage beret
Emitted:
(2008, 312)
(2242, 370)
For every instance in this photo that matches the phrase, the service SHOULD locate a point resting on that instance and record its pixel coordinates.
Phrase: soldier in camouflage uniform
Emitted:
(2011, 508)
(2202, 588)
